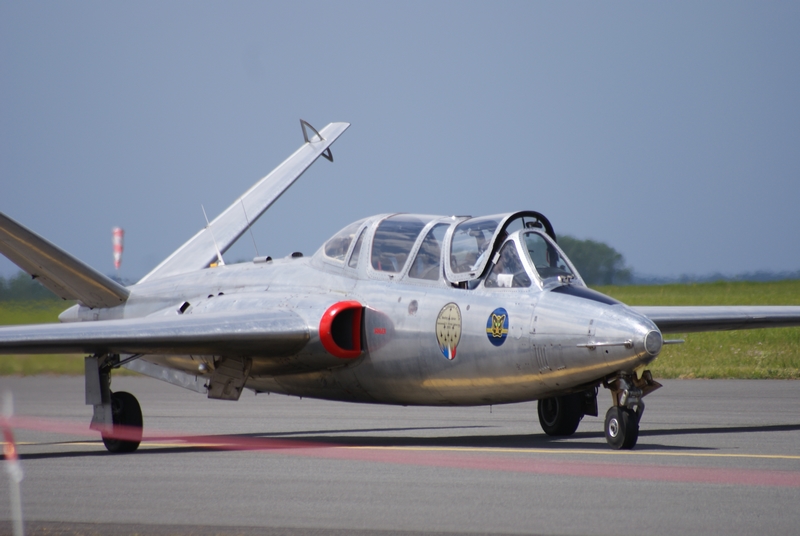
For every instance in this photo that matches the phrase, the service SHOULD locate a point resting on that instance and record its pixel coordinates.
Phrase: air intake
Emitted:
(340, 329)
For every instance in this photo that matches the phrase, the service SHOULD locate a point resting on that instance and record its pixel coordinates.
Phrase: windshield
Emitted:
(470, 242)
(394, 239)
(353, 262)
(546, 257)
(336, 248)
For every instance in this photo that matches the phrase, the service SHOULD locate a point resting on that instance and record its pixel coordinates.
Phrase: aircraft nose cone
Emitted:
(653, 342)
(646, 338)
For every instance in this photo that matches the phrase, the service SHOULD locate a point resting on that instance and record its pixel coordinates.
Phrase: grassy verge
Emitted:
(13, 313)
(761, 353)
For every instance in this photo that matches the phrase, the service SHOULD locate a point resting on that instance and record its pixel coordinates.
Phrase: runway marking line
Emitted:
(585, 451)
(483, 450)
(146, 443)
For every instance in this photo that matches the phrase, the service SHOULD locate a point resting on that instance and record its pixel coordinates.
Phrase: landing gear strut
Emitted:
(117, 416)
(622, 418)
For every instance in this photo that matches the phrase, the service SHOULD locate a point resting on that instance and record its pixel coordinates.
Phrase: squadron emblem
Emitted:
(497, 326)
(448, 330)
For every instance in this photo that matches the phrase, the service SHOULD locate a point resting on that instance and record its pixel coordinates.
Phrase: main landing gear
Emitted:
(126, 431)
(561, 415)
(117, 416)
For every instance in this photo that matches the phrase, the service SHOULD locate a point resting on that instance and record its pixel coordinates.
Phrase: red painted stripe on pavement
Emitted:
(485, 461)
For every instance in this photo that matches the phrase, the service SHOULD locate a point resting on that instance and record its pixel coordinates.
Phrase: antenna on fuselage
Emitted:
(220, 262)
(249, 227)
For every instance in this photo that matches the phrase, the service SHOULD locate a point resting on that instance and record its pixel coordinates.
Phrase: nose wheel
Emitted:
(622, 419)
(621, 427)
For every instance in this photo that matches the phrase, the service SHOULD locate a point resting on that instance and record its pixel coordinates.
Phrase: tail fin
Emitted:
(201, 249)
(56, 269)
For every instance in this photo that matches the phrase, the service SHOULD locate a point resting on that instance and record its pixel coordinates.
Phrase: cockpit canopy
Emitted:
(502, 251)
(394, 239)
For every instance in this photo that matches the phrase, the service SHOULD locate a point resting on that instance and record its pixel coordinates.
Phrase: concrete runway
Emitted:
(717, 457)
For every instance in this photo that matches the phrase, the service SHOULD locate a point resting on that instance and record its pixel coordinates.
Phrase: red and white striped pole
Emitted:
(118, 234)
(13, 468)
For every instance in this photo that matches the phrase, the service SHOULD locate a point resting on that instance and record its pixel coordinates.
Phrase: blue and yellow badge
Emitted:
(497, 326)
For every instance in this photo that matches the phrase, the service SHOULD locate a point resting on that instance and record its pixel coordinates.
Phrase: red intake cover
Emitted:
(340, 329)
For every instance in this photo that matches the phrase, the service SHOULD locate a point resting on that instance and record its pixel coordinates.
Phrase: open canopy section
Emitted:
(473, 242)
(549, 261)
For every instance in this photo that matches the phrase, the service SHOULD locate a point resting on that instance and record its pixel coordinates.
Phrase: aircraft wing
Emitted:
(688, 319)
(56, 269)
(264, 334)
(201, 249)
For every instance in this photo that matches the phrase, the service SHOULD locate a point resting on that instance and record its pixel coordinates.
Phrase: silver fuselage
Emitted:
(555, 342)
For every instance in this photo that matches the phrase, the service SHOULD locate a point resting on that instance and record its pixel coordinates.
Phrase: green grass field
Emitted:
(36, 313)
(763, 353)
(758, 353)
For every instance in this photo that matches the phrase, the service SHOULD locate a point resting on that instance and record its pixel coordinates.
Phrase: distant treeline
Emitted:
(22, 287)
(597, 262)
(600, 264)
(756, 277)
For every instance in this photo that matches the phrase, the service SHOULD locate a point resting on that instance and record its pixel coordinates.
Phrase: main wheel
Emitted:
(621, 427)
(560, 415)
(127, 417)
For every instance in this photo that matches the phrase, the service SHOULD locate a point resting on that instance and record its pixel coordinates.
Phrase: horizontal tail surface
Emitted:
(56, 269)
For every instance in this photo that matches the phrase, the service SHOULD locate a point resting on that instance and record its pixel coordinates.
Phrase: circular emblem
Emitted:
(497, 326)
(448, 329)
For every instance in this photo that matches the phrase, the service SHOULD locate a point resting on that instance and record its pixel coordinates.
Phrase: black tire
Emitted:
(560, 415)
(127, 416)
(621, 428)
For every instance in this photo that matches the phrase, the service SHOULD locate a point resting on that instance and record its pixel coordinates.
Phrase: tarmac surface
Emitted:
(719, 456)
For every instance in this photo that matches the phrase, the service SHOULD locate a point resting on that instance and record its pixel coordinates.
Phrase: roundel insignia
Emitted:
(497, 326)
(448, 329)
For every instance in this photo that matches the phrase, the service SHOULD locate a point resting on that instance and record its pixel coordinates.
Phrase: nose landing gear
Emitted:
(622, 418)
(621, 427)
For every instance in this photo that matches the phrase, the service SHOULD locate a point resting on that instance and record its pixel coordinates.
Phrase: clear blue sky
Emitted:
(669, 130)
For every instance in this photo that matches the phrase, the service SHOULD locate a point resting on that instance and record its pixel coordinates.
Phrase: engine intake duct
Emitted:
(340, 329)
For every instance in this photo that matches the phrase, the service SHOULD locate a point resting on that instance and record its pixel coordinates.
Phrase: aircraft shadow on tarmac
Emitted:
(521, 441)
(332, 438)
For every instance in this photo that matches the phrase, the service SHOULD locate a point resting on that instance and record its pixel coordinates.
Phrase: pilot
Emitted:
(483, 248)
(552, 256)
(508, 270)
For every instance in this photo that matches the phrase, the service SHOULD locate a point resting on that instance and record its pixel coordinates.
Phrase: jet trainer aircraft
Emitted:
(405, 309)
